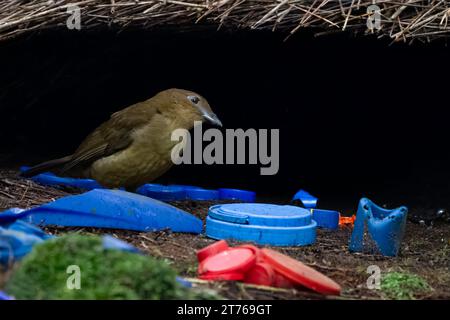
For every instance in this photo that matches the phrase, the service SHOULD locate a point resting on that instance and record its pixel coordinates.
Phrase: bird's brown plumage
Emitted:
(134, 146)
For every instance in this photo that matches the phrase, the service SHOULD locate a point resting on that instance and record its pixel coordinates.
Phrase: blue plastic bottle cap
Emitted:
(163, 193)
(237, 194)
(202, 194)
(278, 225)
(326, 218)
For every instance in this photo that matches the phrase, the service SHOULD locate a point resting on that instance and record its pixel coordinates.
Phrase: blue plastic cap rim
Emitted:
(326, 218)
(275, 236)
(202, 194)
(237, 194)
(261, 214)
(163, 193)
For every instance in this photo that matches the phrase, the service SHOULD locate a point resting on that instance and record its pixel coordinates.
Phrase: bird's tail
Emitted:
(45, 166)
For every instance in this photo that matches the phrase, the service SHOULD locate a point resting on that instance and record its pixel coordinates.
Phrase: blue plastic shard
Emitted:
(110, 242)
(308, 200)
(328, 219)
(163, 193)
(4, 296)
(51, 179)
(378, 230)
(17, 240)
(11, 215)
(261, 223)
(114, 209)
(237, 194)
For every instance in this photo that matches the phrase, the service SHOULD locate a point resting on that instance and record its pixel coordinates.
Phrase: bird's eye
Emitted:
(194, 99)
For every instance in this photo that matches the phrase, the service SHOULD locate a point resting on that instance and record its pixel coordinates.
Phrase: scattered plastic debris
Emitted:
(17, 239)
(267, 267)
(328, 219)
(306, 199)
(116, 209)
(378, 230)
(51, 179)
(277, 225)
(237, 194)
(347, 221)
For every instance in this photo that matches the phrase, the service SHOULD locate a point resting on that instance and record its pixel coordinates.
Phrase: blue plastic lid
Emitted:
(308, 200)
(114, 209)
(326, 218)
(163, 193)
(271, 224)
(202, 194)
(237, 194)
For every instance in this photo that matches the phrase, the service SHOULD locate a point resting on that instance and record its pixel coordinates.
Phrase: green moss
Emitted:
(402, 286)
(105, 274)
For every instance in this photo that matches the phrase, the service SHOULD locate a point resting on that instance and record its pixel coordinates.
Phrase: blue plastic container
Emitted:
(308, 200)
(269, 224)
(328, 219)
(115, 209)
(237, 194)
(378, 230)
(163, 193)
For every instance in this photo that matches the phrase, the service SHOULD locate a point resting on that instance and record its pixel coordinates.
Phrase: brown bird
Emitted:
(134, 146)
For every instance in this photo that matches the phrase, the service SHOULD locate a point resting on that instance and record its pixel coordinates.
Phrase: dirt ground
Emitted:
(425, 250)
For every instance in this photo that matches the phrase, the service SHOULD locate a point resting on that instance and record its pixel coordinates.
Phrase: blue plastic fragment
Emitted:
(202, 194)
(308, 200)
(4, 296)
(115, 209)
(17, 239)
(270, 224)
(11, 215)
(326, 218)
(110, 242)
(237, 194)
(185, 283)
(377, 229)
(50, 179)
(163, 193)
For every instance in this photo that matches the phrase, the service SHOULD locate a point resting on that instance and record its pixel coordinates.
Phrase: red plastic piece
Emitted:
(233, 260)
(300, 274)
(211, 250)
(261, 274)
(260, 266)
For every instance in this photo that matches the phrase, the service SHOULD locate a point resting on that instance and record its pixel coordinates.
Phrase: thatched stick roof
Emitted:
(401, 20)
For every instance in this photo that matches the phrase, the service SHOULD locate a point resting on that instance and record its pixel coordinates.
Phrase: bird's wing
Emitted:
(112, 136)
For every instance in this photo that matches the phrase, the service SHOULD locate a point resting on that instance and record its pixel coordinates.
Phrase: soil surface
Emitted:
(425, 249)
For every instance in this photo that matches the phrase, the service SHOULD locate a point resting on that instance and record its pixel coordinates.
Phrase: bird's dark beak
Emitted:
(213, 119)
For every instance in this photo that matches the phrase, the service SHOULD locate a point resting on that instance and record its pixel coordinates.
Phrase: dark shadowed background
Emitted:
(357, 116)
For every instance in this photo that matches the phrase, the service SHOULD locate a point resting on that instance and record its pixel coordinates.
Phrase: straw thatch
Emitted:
(400, 20)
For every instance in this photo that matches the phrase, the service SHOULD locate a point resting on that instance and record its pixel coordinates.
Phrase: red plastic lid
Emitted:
(261, 274)
(223, 276)
(256, 250)
(299, 273)
(211, 250)
(233, 260)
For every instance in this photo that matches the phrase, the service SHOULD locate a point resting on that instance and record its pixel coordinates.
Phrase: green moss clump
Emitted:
(402, 286)
(105, 274)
